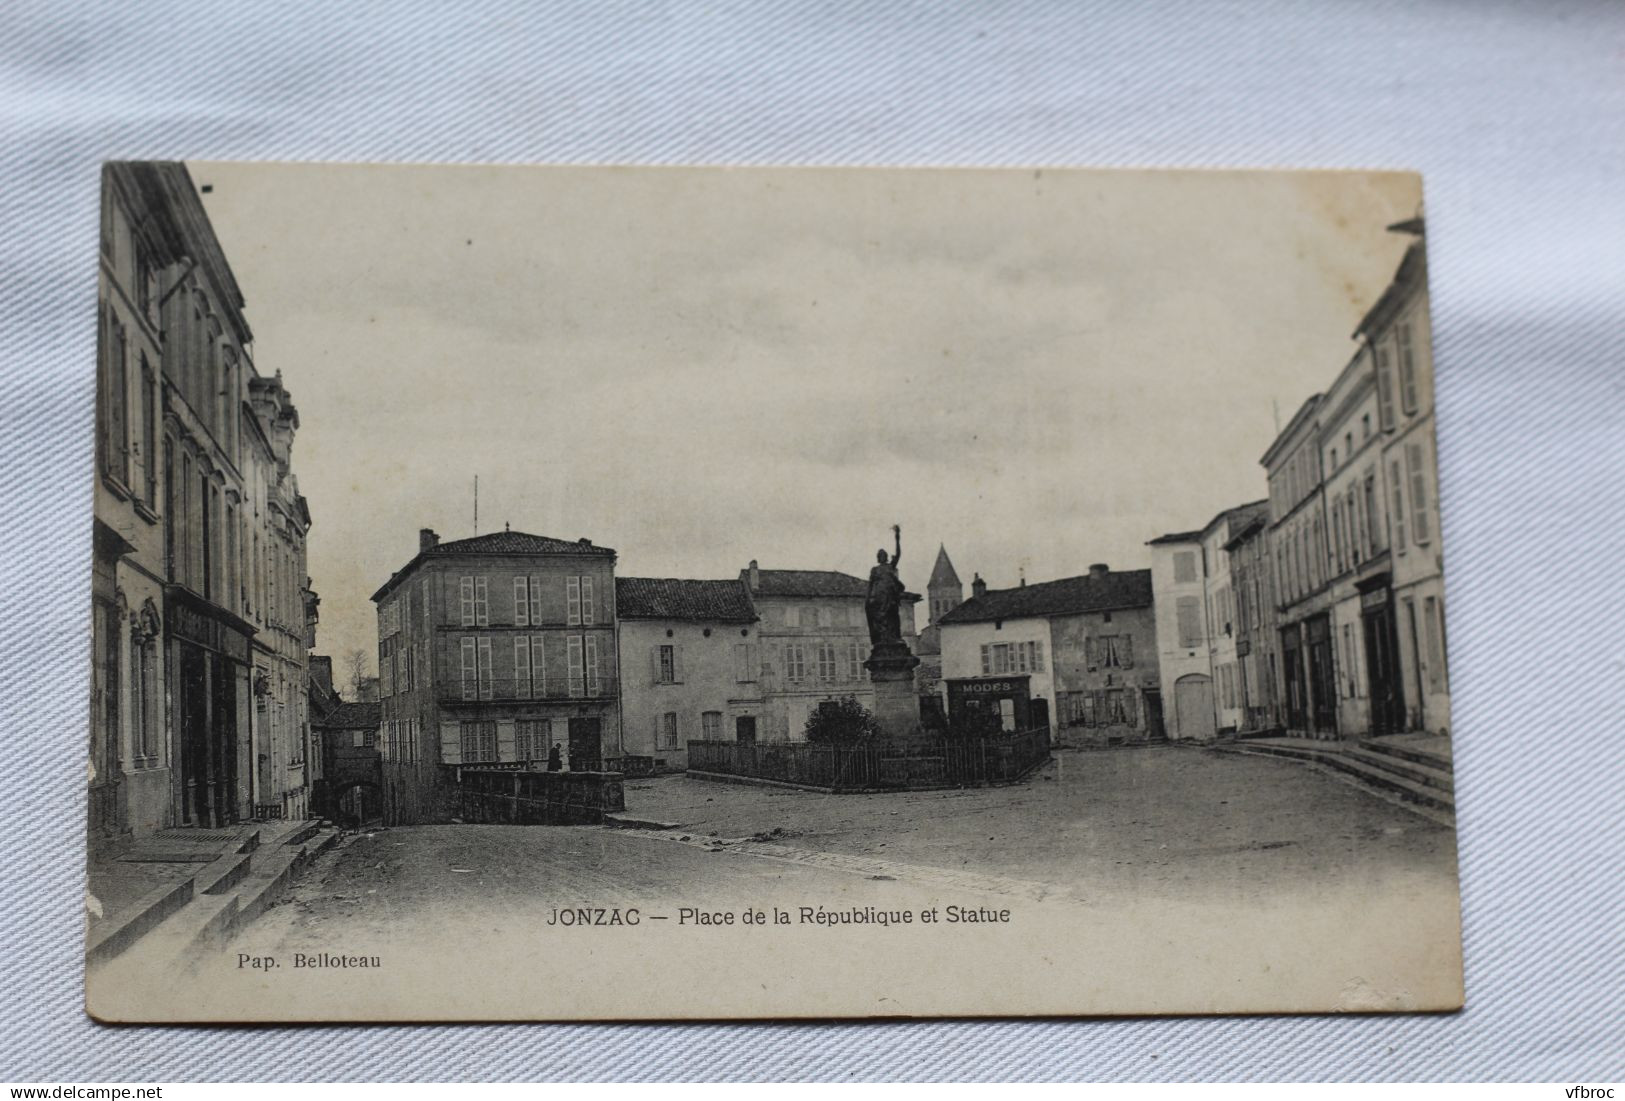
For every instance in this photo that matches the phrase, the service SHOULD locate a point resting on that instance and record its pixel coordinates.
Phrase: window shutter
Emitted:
(741, 661)
(572, 599)
(538, 668)
(535, 601)
(467, 590)
(1420, 529)
(506, 748)
(659, 741)
(521, 602)
(482, 605)
(471, 675)
(485, 669)
(573, 653)
(1385, 388)
(1038, 657)
(586, 602)
(654, 664)
(676, 663)
(1128, 651)
(451, 744)
(521, 667)
(1407, 367)
(987, 660)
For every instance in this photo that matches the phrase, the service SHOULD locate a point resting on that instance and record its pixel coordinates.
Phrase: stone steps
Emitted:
(1407, 753)
(201, 914)
(1416, 785)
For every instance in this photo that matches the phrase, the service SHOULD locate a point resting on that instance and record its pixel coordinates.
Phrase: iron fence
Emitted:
(879, 764)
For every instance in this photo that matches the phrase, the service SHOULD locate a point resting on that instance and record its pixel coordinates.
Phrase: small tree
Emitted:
(355, 663)
(840, 722)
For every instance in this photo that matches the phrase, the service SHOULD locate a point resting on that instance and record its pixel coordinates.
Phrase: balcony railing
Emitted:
(513, 690)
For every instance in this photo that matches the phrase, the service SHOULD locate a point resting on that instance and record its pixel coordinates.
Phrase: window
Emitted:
(795, 662)
(149, 429)
(521, 601)
(792, 616)
(521, 667)
(578, 600)
(1396, 507)
(826, 662)
(1190, 621)
(470, 669)
(1407, 367)
(1100, 707)
(115, 399)
(1351, 677)
(711, 726)
(530, 739)
(1109, 652)
(479, 741)
(1334, 459)
(143, 701)
(466, 591)
(574, 657)
(1012, 657)
(592, 665)
(1433, 624)
(1385, 387)
(665, 665)
(744, 662)
(854, 660)
(825, 617)
(1373, 538)
(1184, 566)
(668, 730)
(1420, 531)
(1365, 426)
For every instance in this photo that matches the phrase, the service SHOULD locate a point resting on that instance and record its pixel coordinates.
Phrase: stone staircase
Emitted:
(205, 887)
(1416, 770)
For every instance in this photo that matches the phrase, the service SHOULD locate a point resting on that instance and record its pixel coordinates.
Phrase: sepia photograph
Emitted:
(608, 593)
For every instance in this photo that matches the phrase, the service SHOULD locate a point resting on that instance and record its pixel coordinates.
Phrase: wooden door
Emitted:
(586, 753)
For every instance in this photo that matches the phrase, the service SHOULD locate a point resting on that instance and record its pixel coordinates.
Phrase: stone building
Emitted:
(1184, 659)
(1368, 691)
(814, 640)
(352, 773)
(1083, 649)
(492, 650)
(1219, 598)
(1298, 542)
(1396, 330)
(184, 569)
(1252, 576)
(690, 665)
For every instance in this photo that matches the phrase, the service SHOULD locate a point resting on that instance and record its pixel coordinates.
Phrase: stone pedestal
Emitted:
(897, 703)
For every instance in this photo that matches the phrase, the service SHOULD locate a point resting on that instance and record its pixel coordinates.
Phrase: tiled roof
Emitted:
(352, 716)
(1176, 537)
(806, 583)
(673, 598)
(943, 572)
(1241, 515)
(1068, 596)
(518, 542)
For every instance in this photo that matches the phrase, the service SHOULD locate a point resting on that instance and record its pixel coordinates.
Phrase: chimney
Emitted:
(426, 539)
(978, 587)
(755, 576)
(1098, 570)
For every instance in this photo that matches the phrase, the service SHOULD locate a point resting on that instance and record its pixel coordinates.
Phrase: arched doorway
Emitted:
(358, 804)
(1193, 707)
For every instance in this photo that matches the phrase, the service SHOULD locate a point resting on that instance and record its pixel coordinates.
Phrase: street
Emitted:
(1093, 828)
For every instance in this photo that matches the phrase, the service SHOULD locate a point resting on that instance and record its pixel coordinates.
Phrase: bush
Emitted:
(975, 722)
(840, 722)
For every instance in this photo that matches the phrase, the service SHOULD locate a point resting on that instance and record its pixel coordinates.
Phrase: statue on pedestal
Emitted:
(883, 604)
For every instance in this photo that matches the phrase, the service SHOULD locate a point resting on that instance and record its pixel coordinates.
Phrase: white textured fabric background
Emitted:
(1514, 111)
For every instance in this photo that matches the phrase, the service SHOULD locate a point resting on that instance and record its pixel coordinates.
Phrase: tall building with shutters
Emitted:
(690, 666)
(1396, 330)
(814, 640)
(492, 650)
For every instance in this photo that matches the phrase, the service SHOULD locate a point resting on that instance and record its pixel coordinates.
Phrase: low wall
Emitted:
(538, 798)
(879, 765)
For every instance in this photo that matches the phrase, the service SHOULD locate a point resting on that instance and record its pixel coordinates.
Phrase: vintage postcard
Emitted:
(610, 593)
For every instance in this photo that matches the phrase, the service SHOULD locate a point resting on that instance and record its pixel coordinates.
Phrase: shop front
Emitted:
(1382, 656)
(209, 671)
(1009, 699)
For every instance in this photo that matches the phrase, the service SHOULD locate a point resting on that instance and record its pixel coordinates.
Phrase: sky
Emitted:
(1038, 369)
